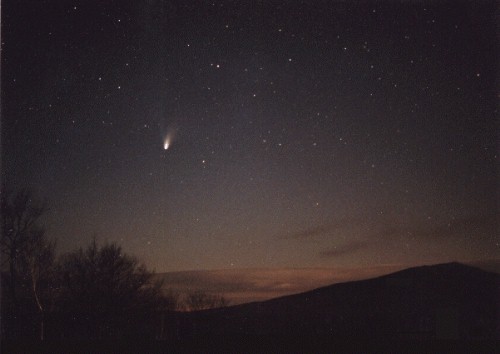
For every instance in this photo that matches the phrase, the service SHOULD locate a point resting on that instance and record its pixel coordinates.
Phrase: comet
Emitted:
(169, 137)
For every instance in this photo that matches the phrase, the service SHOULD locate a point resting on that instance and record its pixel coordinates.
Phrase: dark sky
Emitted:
(302, 134)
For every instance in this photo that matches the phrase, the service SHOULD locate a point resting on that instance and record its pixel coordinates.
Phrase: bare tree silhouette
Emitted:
(20, 215)
(106, 290)
(27, 256)
(200, 300)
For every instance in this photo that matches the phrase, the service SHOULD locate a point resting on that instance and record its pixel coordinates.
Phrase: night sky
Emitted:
(300, 134)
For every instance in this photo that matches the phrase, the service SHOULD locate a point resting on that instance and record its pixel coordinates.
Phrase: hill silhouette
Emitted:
(446, 301)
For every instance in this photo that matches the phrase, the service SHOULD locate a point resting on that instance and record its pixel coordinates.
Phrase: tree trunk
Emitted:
(42, 326)
(162, 326)
(14, 307)
(34, 280)
(12, 281)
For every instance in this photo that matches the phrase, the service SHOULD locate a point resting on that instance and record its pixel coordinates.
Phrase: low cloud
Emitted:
(310, 233)
(323, 229)
(345, 249)
(248, 285)
(472, 225)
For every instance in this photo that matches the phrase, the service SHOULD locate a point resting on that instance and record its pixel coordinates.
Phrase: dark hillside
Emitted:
(448, 301)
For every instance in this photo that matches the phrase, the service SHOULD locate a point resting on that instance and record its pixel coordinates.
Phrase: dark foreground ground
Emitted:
(447, 308)
(256, 345)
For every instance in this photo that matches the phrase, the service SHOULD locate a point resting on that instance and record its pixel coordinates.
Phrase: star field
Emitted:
(301, 134)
